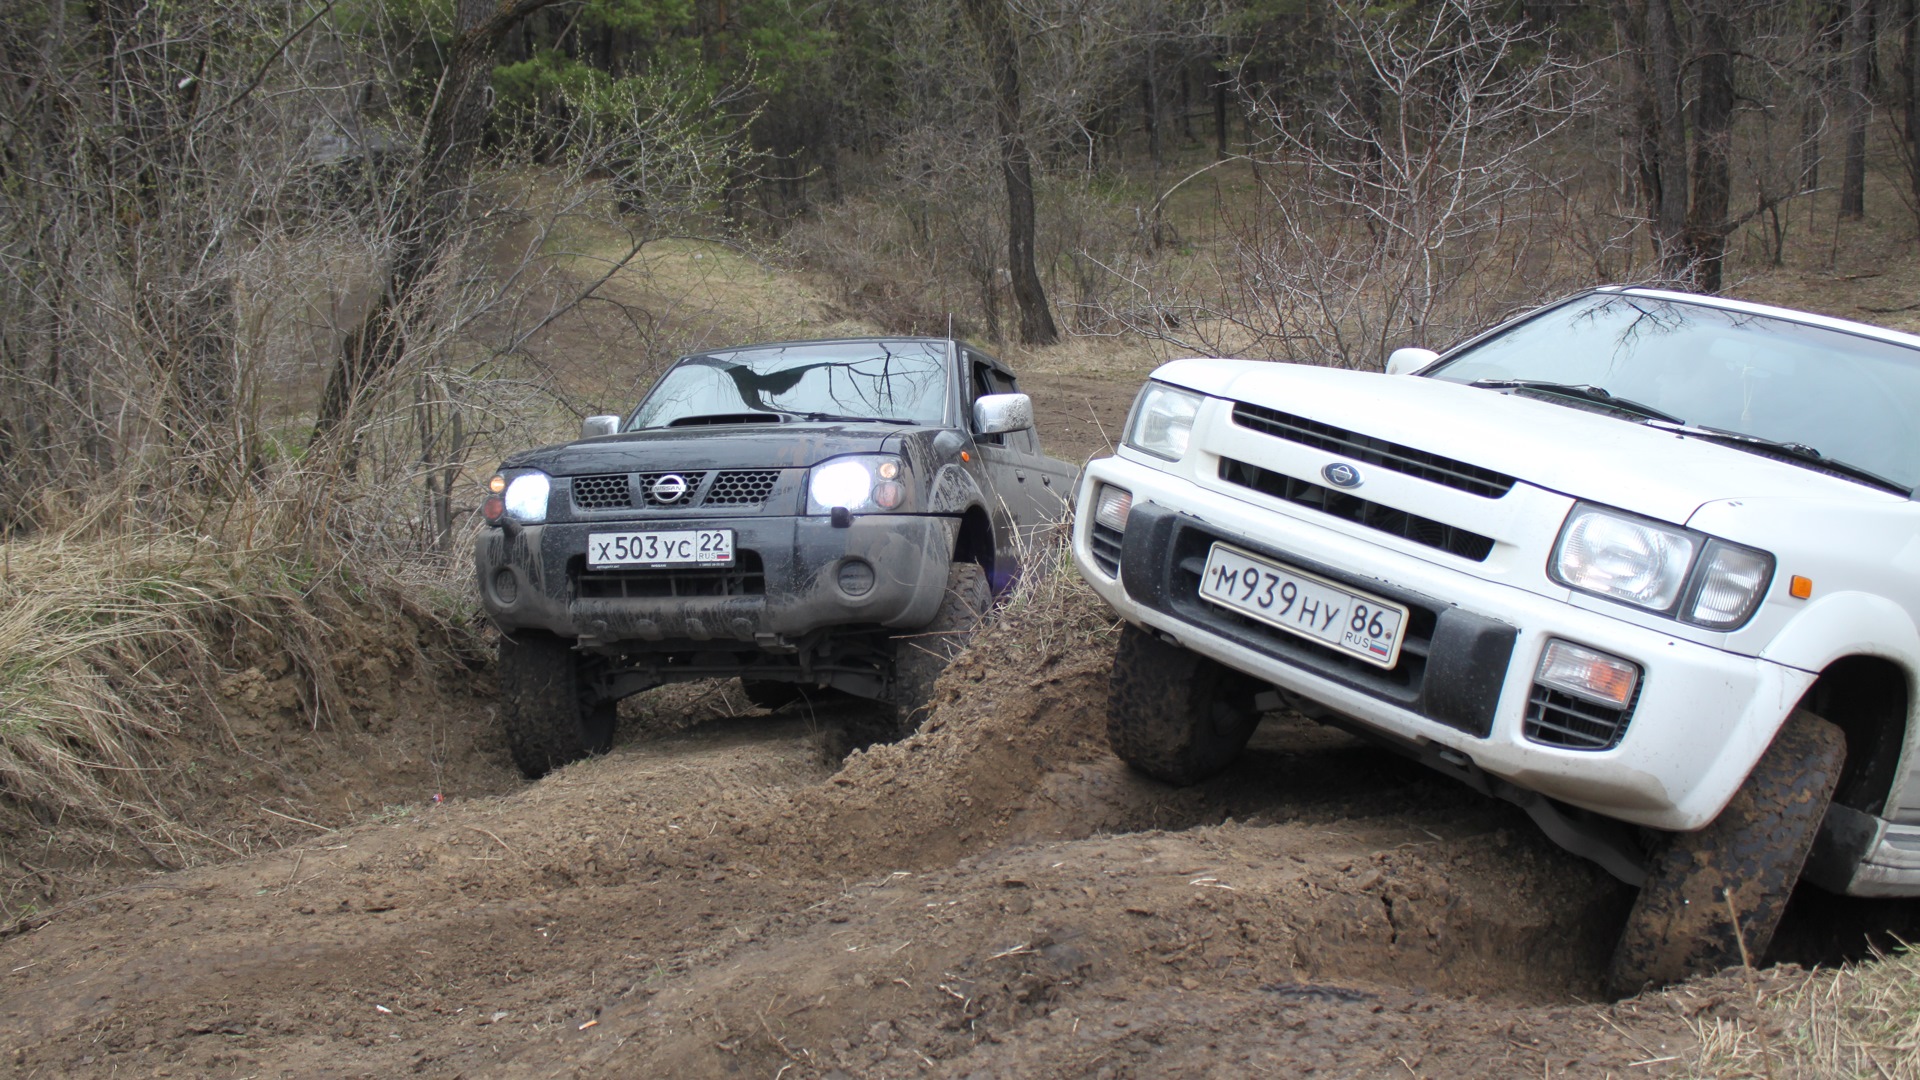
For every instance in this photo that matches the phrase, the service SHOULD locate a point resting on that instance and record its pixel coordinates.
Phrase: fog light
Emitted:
(856, 577)
(1111, 507)
(1584, 673)
(506, 587)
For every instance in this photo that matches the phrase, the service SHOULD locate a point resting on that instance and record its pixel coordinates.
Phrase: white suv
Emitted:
(1646, 564)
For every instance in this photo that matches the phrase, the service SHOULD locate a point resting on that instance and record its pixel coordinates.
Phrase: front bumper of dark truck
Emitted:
(792, 577)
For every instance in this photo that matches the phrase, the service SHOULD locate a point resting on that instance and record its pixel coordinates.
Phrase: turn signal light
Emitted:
(1111, 507)
(1588, 674)
(498, 484)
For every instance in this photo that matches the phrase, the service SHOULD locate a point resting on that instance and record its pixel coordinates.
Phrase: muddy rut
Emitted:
(996, 896)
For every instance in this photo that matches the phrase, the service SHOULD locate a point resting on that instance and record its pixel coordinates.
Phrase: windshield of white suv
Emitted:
(1853, 399)
(893, 381)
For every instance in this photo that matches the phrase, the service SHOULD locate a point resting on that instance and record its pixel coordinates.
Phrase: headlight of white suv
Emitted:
(1663, 568)
(1163, 420)
(861, 482)
(526, 497)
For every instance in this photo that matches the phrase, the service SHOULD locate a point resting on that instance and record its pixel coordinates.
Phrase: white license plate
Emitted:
(681, 547)
(1300, 603)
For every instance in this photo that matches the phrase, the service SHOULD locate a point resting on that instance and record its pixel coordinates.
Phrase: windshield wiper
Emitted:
(827, 416)
(1796, 452)
(1593, 394)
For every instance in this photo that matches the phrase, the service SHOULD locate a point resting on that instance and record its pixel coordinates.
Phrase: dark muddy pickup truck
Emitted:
(797, 514)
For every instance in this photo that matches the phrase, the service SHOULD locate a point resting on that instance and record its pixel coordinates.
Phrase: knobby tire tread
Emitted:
(1680, 925)
(1173, 714)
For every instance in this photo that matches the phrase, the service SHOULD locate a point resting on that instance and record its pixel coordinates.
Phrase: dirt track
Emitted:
(724, 896)
(995, 897)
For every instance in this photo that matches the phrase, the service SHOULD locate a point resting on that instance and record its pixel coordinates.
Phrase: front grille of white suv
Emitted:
(1450, 472)
(1351, 507)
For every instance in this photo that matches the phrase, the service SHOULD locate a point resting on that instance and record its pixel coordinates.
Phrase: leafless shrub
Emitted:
(198, 204)
(1410, 198)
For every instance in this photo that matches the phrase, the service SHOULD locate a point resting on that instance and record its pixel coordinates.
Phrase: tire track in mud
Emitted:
(725, 899)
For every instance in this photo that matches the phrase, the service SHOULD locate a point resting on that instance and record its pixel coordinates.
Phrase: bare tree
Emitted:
(1402, 206)
(431, 201)
(1907, 101)
(142, 152)
(1858, 44)
(994, 24)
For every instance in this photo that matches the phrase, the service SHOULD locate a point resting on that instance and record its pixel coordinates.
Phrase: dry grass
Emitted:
(111, 650)
(1861, 1020)
(1050, 611)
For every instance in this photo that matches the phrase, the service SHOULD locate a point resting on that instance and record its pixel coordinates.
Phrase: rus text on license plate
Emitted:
(1300, 603)
(681, 547)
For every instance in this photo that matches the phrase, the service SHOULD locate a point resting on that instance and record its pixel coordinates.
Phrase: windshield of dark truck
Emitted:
(899, 381)
(1854, 399)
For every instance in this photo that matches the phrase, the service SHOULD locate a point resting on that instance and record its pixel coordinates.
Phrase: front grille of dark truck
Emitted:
(735, 489)
(1459, 475)
(602, 492)
(741, 488)
(746, 578)
(1373, 515)
(649, 479)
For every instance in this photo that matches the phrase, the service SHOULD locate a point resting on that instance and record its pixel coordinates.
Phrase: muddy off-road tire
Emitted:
(920, 656)
(1680, 925)
(1176, 715)
(770, 694)
(551, 719)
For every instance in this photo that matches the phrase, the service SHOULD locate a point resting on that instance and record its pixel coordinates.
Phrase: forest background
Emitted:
(280, 279)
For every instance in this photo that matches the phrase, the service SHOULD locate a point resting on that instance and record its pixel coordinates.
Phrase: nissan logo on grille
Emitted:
(669, 489)
(1341, 475)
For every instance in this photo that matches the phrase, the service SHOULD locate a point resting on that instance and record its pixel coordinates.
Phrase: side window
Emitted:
(988, 379)
(985, 380)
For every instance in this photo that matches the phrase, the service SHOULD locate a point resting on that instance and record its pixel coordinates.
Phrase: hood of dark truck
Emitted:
(732, 446)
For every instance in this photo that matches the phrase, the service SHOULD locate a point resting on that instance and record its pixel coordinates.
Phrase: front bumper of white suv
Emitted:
(1465, 682)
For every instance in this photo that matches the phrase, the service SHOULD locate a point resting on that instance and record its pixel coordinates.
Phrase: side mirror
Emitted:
(1408, 361)
(995, 414)
(596, 426)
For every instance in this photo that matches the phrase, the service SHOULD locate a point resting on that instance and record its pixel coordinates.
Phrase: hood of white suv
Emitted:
(1588, 455)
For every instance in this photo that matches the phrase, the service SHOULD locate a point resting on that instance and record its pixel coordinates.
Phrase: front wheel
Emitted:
(919, 657)
(1711, 892)
(1173, 714)
(551, 716)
